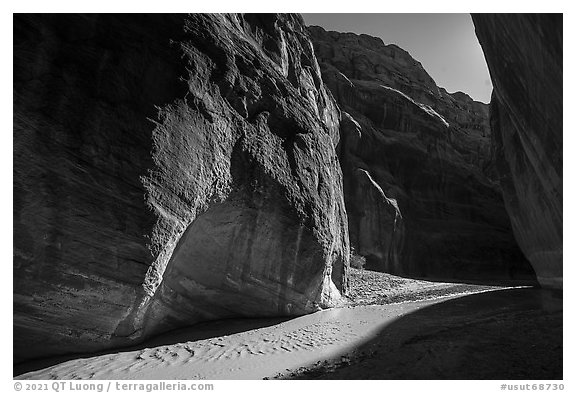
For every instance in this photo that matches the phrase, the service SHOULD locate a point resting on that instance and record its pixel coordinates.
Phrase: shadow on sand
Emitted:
(504, 334)
(501, 334)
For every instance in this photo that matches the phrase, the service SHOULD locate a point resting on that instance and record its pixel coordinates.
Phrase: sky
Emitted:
(445, 44)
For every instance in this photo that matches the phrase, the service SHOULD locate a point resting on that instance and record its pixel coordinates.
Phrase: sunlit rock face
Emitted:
(524, 56)
(169, 170)
(418, 176)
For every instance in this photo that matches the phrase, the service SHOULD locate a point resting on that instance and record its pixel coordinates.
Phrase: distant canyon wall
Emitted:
(169, 169)
(524, 56)
(419, 182)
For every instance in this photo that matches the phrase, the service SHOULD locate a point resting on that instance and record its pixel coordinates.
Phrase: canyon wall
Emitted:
(169, 169)
(524, 56)
(419, 183)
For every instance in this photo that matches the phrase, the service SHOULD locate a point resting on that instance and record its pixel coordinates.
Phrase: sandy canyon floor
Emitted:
(392, 328)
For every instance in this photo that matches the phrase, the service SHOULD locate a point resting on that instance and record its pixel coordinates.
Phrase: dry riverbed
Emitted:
(392, 328)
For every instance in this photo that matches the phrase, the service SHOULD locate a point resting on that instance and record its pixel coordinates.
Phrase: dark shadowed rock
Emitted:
(377, 221)
(524, 55)
(426, 150)
(169, 170)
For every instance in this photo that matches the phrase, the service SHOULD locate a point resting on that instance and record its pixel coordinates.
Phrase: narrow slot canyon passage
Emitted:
(252, 196)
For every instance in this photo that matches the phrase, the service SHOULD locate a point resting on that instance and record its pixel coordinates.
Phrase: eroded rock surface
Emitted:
(425, 150)
(524, 56)
(169, 170)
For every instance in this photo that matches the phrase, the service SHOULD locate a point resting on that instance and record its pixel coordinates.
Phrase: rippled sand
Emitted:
(315, 345)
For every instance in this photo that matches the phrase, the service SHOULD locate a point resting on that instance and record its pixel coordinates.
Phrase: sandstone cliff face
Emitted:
(169, 170)
(426, 154)
(524, 56)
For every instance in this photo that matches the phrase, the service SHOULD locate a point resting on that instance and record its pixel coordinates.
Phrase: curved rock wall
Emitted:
(524, 56)
(169, 170)
(427, 151)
